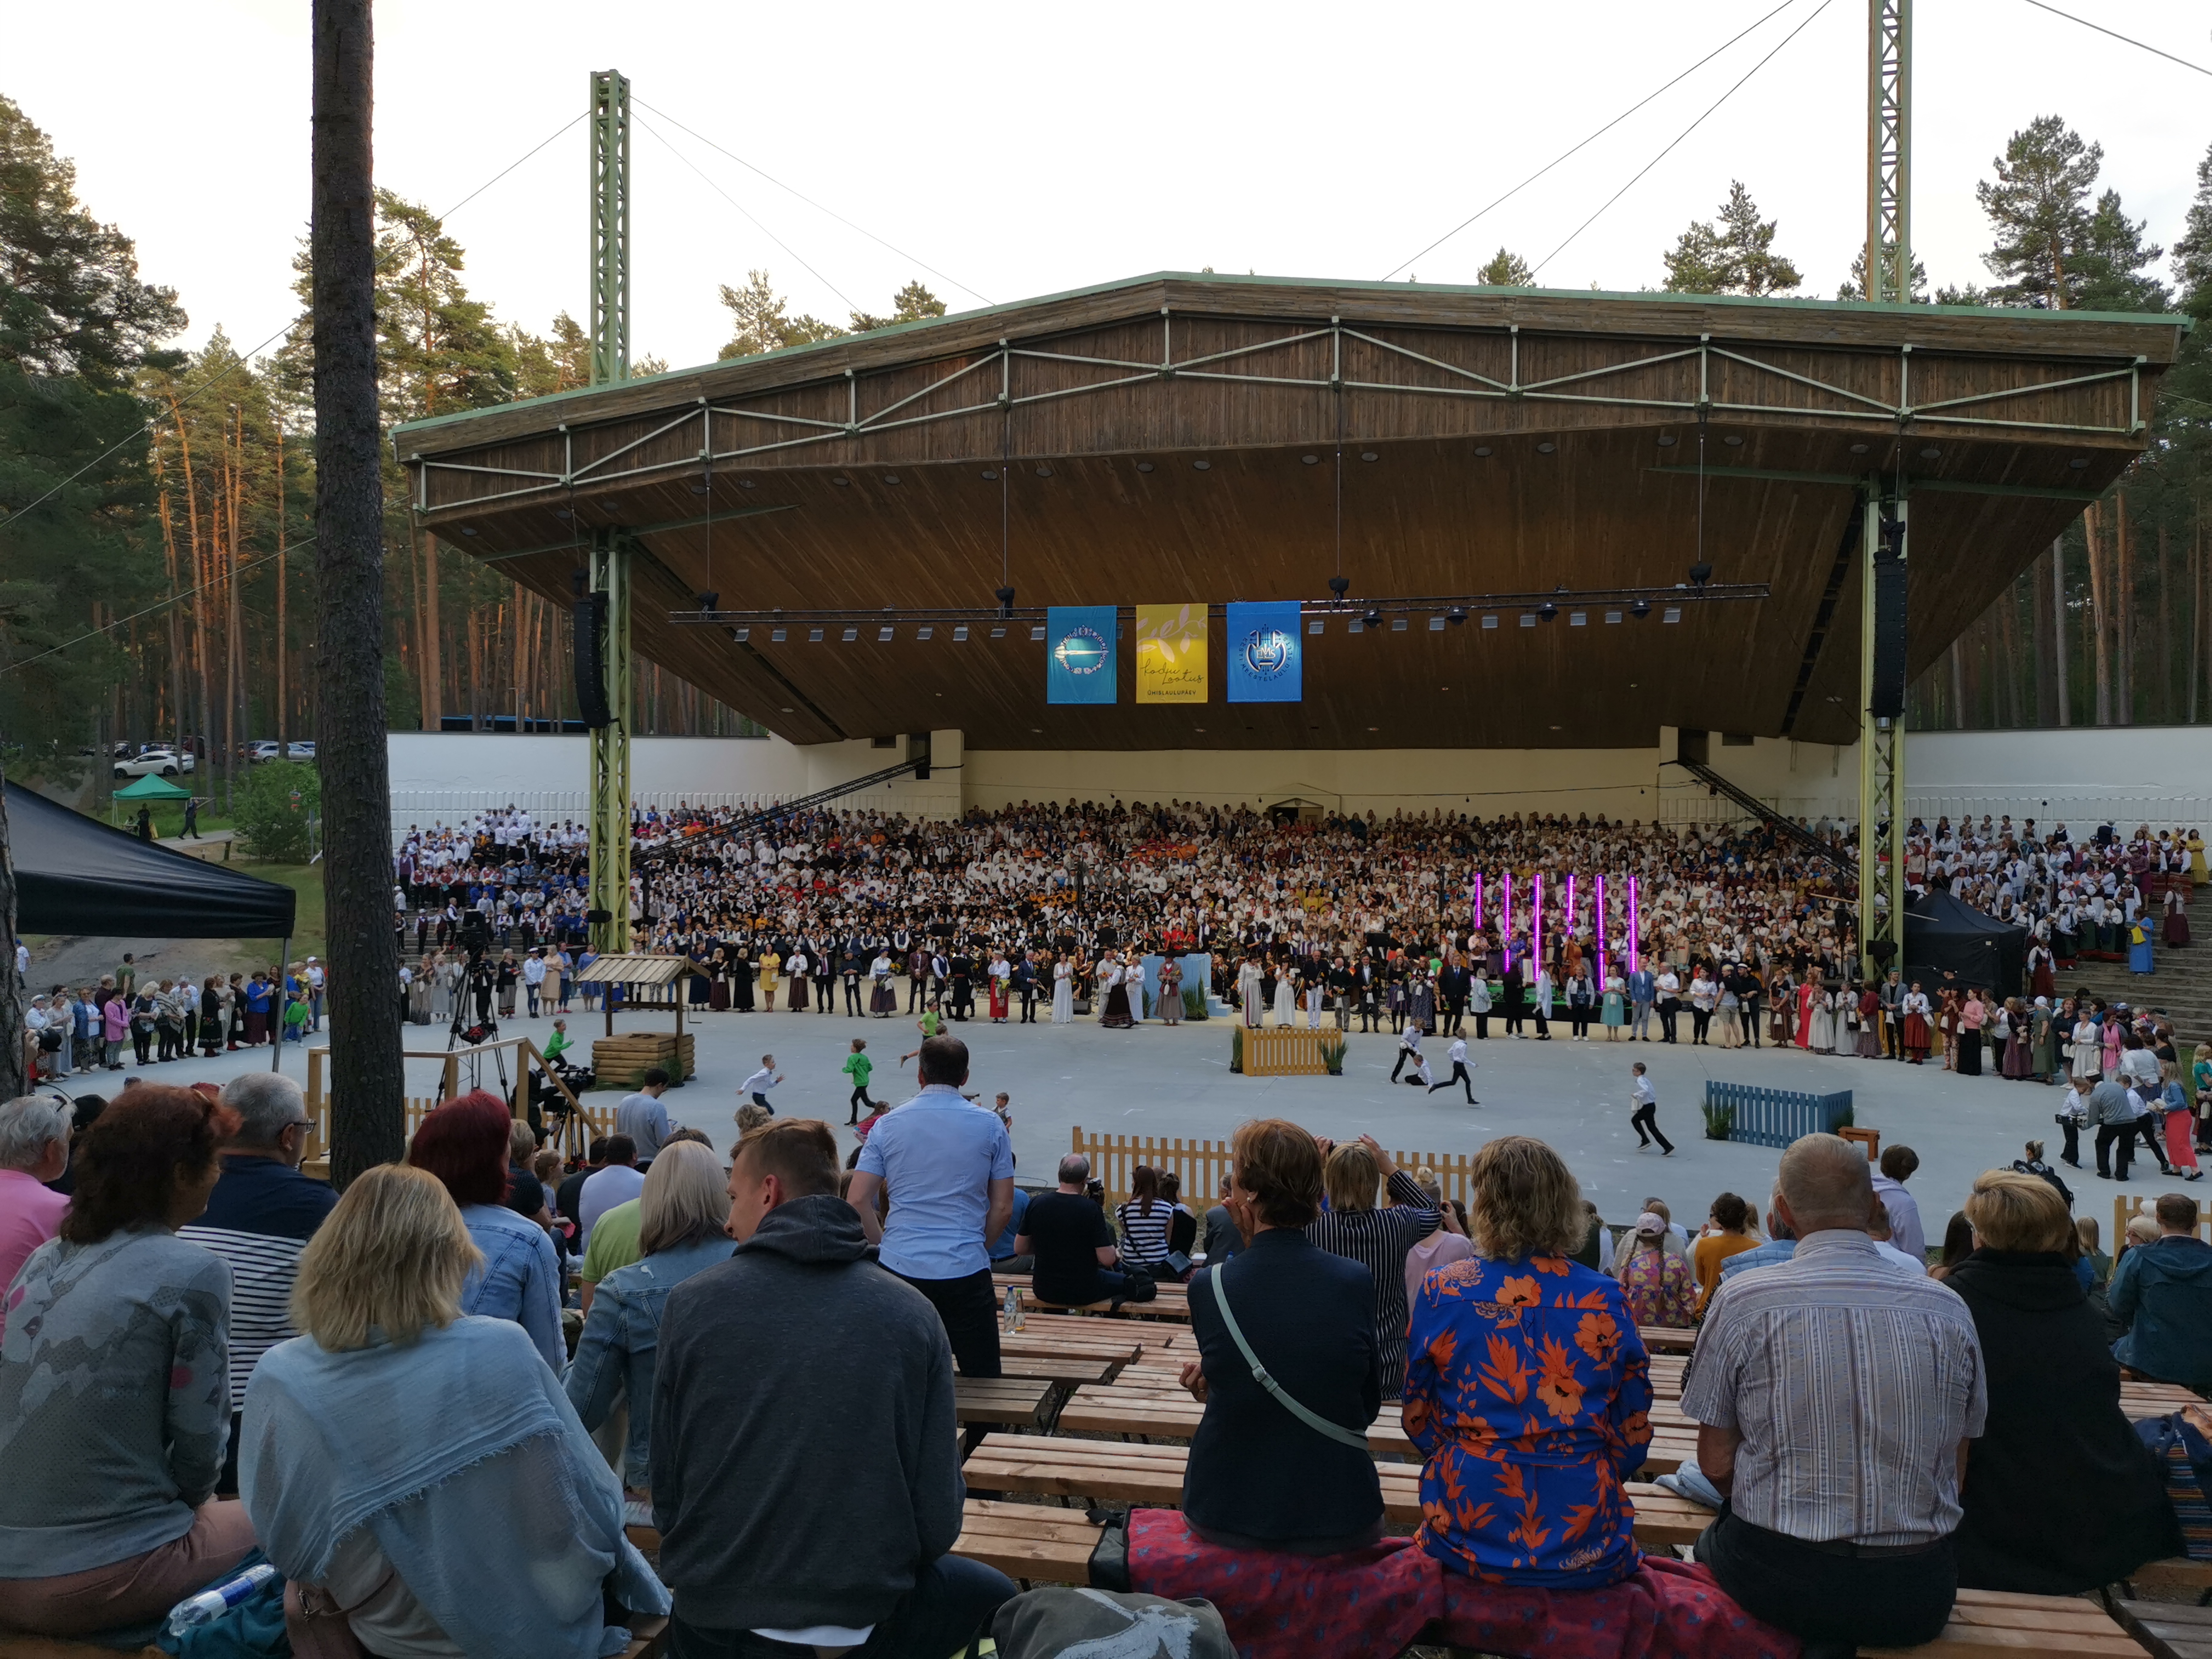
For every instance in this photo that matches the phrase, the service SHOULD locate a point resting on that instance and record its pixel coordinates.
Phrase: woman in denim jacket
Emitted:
(681, 1216)
(465, 1143)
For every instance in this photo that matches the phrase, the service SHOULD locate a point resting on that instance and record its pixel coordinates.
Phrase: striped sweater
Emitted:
(258, 1220)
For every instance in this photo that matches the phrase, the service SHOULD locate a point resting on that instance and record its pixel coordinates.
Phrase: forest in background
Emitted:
(156, 506)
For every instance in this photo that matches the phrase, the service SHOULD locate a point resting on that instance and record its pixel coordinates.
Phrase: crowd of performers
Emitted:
(1620, 929)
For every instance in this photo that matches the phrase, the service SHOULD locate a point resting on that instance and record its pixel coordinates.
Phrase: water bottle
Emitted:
(1021, 1314)
(198, 1610)
(1010, 1310)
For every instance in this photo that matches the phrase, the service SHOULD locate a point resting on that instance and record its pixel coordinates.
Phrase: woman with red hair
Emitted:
(464, 1143)
(115, 1384)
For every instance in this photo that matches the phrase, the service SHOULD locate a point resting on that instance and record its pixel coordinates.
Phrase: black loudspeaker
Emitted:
(591, 612)
(598, 918)
(1885, 697)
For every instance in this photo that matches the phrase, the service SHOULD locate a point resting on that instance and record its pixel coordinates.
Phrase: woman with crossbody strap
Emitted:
(1288, 1369)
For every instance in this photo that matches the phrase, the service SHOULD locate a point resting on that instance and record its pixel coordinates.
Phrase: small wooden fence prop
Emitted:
(1775, 1117)
(1200, 1165)
(1283, 1052)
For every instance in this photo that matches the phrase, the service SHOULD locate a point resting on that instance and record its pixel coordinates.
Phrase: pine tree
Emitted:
(2113, 261)
(2192, 252)
(76, 542)
(1854, 285)
(911, 304)
(1734, 255)
(1505, 268)
(2038, 205)
(70, 299)
(762, 323)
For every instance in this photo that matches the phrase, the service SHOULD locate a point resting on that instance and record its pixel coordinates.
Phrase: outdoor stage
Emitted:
(1196, 440)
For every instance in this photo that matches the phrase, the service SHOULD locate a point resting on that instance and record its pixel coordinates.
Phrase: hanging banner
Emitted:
(1078, 653)
(1170, 653)
(1266, 659)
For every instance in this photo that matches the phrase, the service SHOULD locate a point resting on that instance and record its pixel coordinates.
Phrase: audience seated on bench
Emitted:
(418, 1476)
(1528, 1390)
(1066, 1235)
(114, 1383)
(806, 1476)
(1283, 1469)
(2061, 1495)
(682, 1211)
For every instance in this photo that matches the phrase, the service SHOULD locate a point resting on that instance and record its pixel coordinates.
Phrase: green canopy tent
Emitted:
(150, 788)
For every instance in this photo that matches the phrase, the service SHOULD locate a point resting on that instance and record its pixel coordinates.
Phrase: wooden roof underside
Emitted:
(1519, 441)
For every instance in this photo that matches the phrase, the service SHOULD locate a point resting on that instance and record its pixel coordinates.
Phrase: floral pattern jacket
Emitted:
(1528, 1393)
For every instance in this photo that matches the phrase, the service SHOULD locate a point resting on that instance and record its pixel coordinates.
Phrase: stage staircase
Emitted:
(2181, 989)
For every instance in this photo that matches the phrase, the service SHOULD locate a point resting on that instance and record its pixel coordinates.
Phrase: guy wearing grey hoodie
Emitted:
(805, 1461)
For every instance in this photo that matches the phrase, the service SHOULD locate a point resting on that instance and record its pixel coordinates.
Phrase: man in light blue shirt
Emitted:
(949, 1167)
(644, 1119)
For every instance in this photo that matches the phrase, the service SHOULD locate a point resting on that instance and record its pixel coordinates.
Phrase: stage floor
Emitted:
(1166, 1081)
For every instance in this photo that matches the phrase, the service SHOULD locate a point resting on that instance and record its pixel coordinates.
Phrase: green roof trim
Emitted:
(1658, 296)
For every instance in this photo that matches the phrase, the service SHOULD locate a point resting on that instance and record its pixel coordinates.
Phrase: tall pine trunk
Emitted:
(2060, 666)
(367, 1075)
(15, 1042)
(2165, 630)
(2124, 633)
(283, 682)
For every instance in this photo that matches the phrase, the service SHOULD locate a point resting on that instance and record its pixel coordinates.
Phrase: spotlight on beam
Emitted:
(1548, 611)
(710, 600)
(1006, 597)
(1340, 585)
(1456, 615)
(1372, 619)
(1700, 574)
(1640, 609)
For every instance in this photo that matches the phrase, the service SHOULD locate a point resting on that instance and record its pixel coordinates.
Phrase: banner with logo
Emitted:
(1267, 661)
(1078, 653)
(1170, 653)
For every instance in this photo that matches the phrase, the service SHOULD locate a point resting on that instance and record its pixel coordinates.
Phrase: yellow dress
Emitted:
(2197, 872)
(769, 963)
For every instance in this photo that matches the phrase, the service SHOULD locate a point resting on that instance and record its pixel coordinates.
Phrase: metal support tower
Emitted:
(1881, 760)
(609, 821)
(610, 548)
(1889, 150)
(610, 226)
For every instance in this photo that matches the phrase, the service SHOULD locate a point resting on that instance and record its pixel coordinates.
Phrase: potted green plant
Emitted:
(1237, 1048)
(1719, 1120)
(1193, 1003)
(1332, 1055)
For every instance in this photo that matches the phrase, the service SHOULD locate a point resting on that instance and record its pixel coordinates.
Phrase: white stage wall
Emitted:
(2159, 774)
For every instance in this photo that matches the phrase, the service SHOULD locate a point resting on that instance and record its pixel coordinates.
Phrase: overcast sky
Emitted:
(1027, 150)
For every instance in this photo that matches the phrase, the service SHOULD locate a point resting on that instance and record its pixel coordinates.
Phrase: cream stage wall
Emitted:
(2159, 774)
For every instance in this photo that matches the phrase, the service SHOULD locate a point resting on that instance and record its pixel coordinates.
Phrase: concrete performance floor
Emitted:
(1158, 1080)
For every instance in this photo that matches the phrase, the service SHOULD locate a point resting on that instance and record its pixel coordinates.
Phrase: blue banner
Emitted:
(1266, 660)
(1079, 652)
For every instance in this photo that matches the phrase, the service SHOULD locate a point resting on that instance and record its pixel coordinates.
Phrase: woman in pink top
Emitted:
(1447, 1244)
(1972, 1013)
(34, 1150)
(115, 1026)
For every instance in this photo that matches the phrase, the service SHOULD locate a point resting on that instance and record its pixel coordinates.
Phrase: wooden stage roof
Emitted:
(1173, 438)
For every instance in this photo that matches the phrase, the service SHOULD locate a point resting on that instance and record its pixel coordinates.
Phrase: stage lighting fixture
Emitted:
(1371, 619)
(710, 600)
(884, 633)
(1005, 598)
(1700, 574)
(1456, 615)
(1548, 611)
(1340, 585)
(1640, 609)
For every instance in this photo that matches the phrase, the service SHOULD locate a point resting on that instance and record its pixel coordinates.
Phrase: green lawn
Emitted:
(309, 937)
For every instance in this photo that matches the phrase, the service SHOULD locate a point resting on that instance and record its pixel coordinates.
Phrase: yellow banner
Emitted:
(1170, 653)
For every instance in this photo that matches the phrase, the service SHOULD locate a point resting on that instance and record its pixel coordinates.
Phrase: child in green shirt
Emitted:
(858, 1066)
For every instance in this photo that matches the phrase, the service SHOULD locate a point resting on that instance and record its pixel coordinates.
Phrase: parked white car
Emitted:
(153, 763)
(297, 749)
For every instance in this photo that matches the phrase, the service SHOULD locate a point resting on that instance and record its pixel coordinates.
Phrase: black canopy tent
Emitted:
(74, 875)
(1944, 935)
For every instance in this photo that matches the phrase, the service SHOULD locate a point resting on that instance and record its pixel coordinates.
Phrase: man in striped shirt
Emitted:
(1835, 1398)
(259, 1218)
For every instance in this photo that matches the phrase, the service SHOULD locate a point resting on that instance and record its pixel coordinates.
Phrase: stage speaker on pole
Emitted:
(1886, 696)
(591, 613)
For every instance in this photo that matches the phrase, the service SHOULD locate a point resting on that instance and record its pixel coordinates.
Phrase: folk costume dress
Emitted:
(1063, 993)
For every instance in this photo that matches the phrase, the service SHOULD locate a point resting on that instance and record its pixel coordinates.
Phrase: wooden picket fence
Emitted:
(1282, 1051)
(1776, 1117)
(1200, 1164)
(2125, 1209)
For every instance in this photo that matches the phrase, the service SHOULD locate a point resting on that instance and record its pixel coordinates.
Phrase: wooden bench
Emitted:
(2177, 1573)
(648, 1640)
(1028, 1542)
(1667, 1339)
(1987, 1623)
(2168, 1629)
(1013, 1402)
(1172, 1302)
